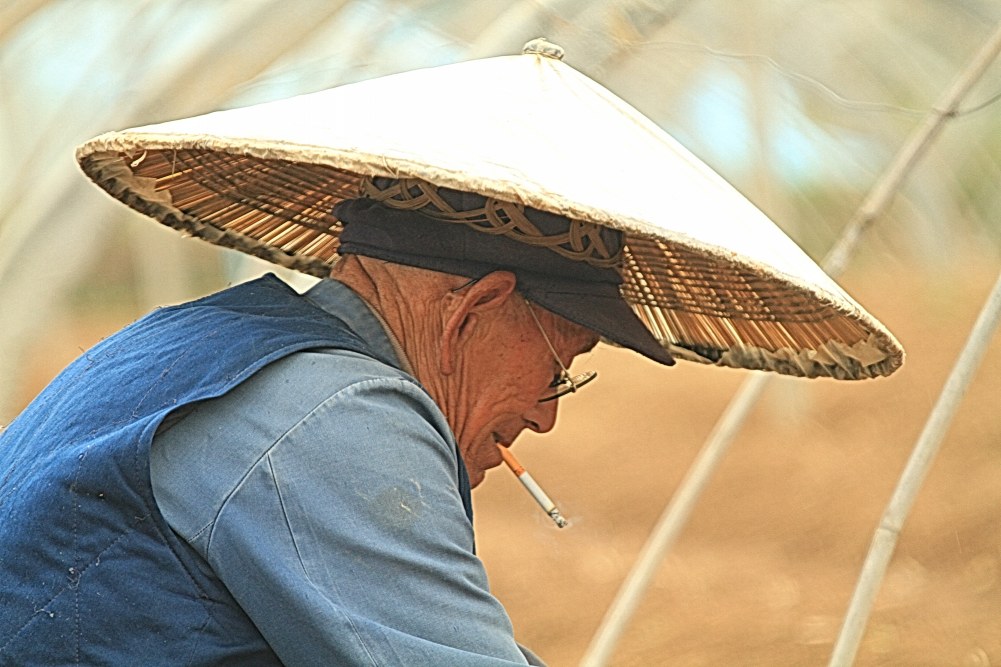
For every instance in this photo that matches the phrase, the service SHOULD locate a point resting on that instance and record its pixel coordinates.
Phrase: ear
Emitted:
(466, 309)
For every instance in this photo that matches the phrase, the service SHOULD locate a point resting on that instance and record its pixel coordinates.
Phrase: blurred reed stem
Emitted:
(681, 505)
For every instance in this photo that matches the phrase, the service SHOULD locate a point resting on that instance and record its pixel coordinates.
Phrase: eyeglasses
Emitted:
(563, 383)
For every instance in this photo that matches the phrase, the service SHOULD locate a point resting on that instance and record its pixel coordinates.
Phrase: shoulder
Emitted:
(313, 409)
(314, 386)
(317, 374)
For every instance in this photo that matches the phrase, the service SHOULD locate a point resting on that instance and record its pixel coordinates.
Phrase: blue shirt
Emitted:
(324, 493)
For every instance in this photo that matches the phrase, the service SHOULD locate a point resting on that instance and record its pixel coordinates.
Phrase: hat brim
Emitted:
(605, 314)
(710, 276)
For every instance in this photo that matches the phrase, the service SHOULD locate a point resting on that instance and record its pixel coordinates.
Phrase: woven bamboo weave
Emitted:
(702, 309)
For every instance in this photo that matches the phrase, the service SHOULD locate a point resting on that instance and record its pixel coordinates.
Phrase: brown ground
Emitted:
(763, 573)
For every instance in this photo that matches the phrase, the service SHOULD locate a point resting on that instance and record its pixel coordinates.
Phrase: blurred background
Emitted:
(801, 104)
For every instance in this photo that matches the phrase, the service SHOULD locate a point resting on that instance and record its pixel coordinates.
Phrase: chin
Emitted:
(476, 478)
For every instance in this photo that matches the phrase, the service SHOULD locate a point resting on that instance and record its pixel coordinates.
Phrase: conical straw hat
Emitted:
(710, 275)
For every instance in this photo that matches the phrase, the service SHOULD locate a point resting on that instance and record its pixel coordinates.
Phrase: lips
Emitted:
(506, 438)
(498, 442)
(493, 457)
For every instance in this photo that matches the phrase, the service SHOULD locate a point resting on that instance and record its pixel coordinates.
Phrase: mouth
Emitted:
(498, 441)
(505, 440)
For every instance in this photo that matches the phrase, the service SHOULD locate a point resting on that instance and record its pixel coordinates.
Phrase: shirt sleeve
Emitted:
(345, 539)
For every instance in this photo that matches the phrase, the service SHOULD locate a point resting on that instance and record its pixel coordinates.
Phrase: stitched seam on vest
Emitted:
(202, 593)
(76, 614)
(41, 609)
(151, 507)
(163, 373)
(75, 576)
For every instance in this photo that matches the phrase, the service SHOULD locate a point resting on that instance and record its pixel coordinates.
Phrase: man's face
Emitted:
(510, 369)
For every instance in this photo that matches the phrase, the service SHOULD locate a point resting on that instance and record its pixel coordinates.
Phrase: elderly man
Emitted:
(310, 458)
(262, 477)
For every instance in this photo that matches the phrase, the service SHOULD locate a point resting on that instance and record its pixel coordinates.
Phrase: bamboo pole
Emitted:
(675, 515)
(912, 151)
(900, 504)
(671, 522)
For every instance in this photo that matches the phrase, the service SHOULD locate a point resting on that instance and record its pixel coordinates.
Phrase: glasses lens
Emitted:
(564, 384)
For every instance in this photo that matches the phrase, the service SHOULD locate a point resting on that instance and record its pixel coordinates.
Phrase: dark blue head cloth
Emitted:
(578, 291)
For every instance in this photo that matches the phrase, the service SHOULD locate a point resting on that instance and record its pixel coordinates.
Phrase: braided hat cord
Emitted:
(581, 241)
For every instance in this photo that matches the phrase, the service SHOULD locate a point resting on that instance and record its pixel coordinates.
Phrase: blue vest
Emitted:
(90, 572)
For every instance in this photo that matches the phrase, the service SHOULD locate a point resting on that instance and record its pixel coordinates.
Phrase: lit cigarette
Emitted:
(545, 502)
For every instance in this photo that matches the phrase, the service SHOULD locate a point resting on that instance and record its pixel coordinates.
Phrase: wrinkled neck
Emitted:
(406, 303)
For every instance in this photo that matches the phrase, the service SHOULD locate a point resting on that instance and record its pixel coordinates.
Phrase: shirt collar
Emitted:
(341, 301)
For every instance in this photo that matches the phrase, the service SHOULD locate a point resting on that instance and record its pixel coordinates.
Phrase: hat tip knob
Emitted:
(541, 46)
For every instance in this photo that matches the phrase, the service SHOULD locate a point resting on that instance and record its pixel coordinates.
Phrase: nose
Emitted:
(541, 417)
